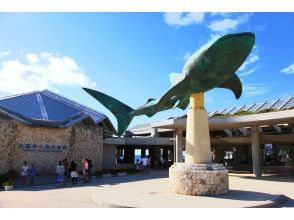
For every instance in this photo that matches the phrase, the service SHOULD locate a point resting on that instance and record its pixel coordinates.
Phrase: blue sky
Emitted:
(130, 55)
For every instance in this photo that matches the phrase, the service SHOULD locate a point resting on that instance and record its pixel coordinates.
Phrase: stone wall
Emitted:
(86, 142)
(198, 179)
(7, 141)
(46, 146)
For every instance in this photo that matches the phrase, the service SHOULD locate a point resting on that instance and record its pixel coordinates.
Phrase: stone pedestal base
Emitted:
(198, 179)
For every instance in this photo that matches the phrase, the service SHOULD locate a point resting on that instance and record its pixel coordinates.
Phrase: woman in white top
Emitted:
(60, 173)
(24, 172)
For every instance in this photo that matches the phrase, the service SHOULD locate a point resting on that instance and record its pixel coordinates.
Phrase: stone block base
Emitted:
(198, 179)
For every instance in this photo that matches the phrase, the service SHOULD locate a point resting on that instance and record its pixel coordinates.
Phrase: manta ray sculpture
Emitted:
(212, 66)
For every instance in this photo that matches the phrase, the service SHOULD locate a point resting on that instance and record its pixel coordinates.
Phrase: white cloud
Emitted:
(209, 100)
(253, 57)
(289, 69)
(32, 58)
(254, 89)
(248, 67)
(41, 71)
(248, 72)
(221, 14)
(181, 18)
(214, 36)
(4, 53)
(223, 25)
(228, 24)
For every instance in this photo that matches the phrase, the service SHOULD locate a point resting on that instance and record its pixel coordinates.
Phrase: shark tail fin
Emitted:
(120, 110)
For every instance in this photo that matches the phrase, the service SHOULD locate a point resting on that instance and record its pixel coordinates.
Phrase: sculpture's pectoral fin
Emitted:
(184, 103)
(233, 84)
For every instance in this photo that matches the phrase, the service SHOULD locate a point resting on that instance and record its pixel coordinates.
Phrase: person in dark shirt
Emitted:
(90, 169)
(73, 172)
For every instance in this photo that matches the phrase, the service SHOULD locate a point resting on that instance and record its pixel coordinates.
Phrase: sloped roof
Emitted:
(45, 108)
(278, 104)
(282, 103)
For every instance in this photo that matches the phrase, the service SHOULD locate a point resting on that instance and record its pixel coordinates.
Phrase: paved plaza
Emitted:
(150, 191)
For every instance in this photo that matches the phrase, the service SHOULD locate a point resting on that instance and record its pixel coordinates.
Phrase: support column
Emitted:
(165, 153)
(255, 144)
(154, 132)
(143, 152)
(179, 146)
(119, 154)
(197, 139)
(165, 157)
(151, 155)
(156, 158)
(171, 155)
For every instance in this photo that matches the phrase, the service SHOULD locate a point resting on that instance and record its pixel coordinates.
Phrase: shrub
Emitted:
(218, 115)
(97, 173)
(133, 171)
(268, 110)
(3, 178)
(244, 113)
(8, 183)
(11, 175)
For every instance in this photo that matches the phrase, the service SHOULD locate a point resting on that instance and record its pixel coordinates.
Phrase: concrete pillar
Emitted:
(143, 152)
(179, 146)
(156, 157)
(154, 132)
(255, 144)
(119, 154)
(151, 155)
(197, 139)
(171, 155)
(165, 153)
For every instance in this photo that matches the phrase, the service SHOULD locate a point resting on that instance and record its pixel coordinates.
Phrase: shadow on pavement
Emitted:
(244, 195)
(289, 203)
(96, 182)
(273, 178)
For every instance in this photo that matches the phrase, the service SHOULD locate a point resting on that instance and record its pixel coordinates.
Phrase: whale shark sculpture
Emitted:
(212, 66)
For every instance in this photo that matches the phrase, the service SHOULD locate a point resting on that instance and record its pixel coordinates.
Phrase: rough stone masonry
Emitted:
(45, 146)
(198, 179)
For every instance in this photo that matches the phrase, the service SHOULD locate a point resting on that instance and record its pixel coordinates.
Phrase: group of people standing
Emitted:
(144, 164)
(64, 170)
(28, 171)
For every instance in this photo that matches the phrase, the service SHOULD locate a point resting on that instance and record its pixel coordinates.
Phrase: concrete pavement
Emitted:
(245, 191)
(138, 190)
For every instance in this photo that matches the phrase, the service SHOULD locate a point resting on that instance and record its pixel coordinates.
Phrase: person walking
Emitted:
(148, 165)
(73, 172)
(85, 170)
(90, 170)
(144, 162)
(32, 173)
(66, 168)
(137, 166)
(24, 173)
(60, 174)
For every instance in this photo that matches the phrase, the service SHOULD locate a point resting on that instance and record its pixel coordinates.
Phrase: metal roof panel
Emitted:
(46, 106)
